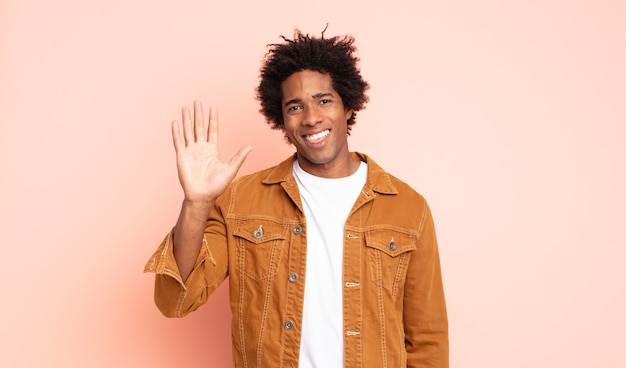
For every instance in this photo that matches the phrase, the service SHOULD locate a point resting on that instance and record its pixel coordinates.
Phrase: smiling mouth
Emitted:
(317, 136)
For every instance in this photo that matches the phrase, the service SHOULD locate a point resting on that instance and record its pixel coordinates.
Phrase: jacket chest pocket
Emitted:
(389, 252)
(260, 244)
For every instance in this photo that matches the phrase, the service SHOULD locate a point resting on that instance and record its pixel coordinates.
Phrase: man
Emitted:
(331, 261)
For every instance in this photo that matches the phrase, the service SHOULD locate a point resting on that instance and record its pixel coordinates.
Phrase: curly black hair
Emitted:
(333, 56)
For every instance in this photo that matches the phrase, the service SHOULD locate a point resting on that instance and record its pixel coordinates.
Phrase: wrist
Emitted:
(198, 209)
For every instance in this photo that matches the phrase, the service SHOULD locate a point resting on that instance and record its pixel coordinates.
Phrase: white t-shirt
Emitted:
(327, 204)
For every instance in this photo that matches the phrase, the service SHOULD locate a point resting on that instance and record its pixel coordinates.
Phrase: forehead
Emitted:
(307, 83)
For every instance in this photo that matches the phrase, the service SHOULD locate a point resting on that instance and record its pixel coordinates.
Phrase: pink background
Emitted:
(510, 117)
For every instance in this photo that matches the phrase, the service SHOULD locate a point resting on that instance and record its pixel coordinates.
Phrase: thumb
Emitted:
(237, 160)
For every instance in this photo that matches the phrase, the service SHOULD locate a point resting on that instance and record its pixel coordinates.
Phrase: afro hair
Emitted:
(333, 56)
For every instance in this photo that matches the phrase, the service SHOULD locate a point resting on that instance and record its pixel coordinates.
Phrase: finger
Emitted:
(237, 160)
(176, 136)
(213, 124)
(198, 121)
(187, 126)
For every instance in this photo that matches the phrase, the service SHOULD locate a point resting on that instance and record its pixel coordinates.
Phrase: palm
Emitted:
(202, 174)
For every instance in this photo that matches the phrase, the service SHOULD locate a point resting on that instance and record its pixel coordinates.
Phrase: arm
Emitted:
(425, 316)
(203, 177)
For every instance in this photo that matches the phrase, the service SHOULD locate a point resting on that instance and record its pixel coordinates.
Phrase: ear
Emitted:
(348, 114)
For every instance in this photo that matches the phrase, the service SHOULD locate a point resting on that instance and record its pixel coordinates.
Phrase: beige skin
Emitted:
(310, 106)
(203, 177)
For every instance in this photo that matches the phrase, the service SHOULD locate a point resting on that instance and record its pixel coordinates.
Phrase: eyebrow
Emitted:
(316, 96)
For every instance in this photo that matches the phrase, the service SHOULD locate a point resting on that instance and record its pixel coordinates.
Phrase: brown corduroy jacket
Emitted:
(394, 312)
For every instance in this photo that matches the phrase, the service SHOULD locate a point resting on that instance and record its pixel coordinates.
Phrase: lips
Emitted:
(313, 138)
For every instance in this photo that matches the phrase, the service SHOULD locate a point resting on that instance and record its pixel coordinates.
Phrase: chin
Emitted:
(318, 159)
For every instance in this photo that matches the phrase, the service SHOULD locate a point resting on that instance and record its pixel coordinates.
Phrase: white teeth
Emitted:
(316, 136)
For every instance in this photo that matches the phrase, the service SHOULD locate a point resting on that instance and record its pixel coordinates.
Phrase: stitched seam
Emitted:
(167, 244)
(179, 307)
(381, 308)
(360, 303)
(399, 229)
(278, 220)
(402, 266)
(207, 251)
(242, 339)
(173, 274)
(268, 286)
(288, 297)
(423, 219)
(231, 202)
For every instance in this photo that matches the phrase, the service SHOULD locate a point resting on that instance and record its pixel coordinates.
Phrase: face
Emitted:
(315, 121)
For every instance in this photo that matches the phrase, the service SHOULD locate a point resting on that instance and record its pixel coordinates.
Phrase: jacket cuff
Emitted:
(162, 261)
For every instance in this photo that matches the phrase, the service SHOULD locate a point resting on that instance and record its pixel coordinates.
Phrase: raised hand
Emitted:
(202, 174)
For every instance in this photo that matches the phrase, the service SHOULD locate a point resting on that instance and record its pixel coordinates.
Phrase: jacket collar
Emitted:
(378, 180)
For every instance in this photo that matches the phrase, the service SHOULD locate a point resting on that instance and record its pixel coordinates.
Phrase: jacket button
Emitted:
(258, 233)
(392, 245)
(288, 325)
(293, 277)
(297, 229)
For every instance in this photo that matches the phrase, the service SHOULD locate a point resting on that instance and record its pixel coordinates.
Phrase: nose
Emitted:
(311, 115)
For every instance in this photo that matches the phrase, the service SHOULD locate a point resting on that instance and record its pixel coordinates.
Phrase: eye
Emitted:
(325, 101)
(294, 108)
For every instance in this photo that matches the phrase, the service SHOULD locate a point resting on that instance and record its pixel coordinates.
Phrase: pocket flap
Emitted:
(392, 243)
(259, 231)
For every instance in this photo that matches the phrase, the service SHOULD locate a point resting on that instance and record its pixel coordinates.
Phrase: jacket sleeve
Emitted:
(425, 316)
(176, 298)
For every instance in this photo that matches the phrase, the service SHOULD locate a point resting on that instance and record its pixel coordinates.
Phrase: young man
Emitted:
(331, 261)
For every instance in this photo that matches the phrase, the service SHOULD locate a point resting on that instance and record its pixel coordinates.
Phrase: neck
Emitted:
(336, 169)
